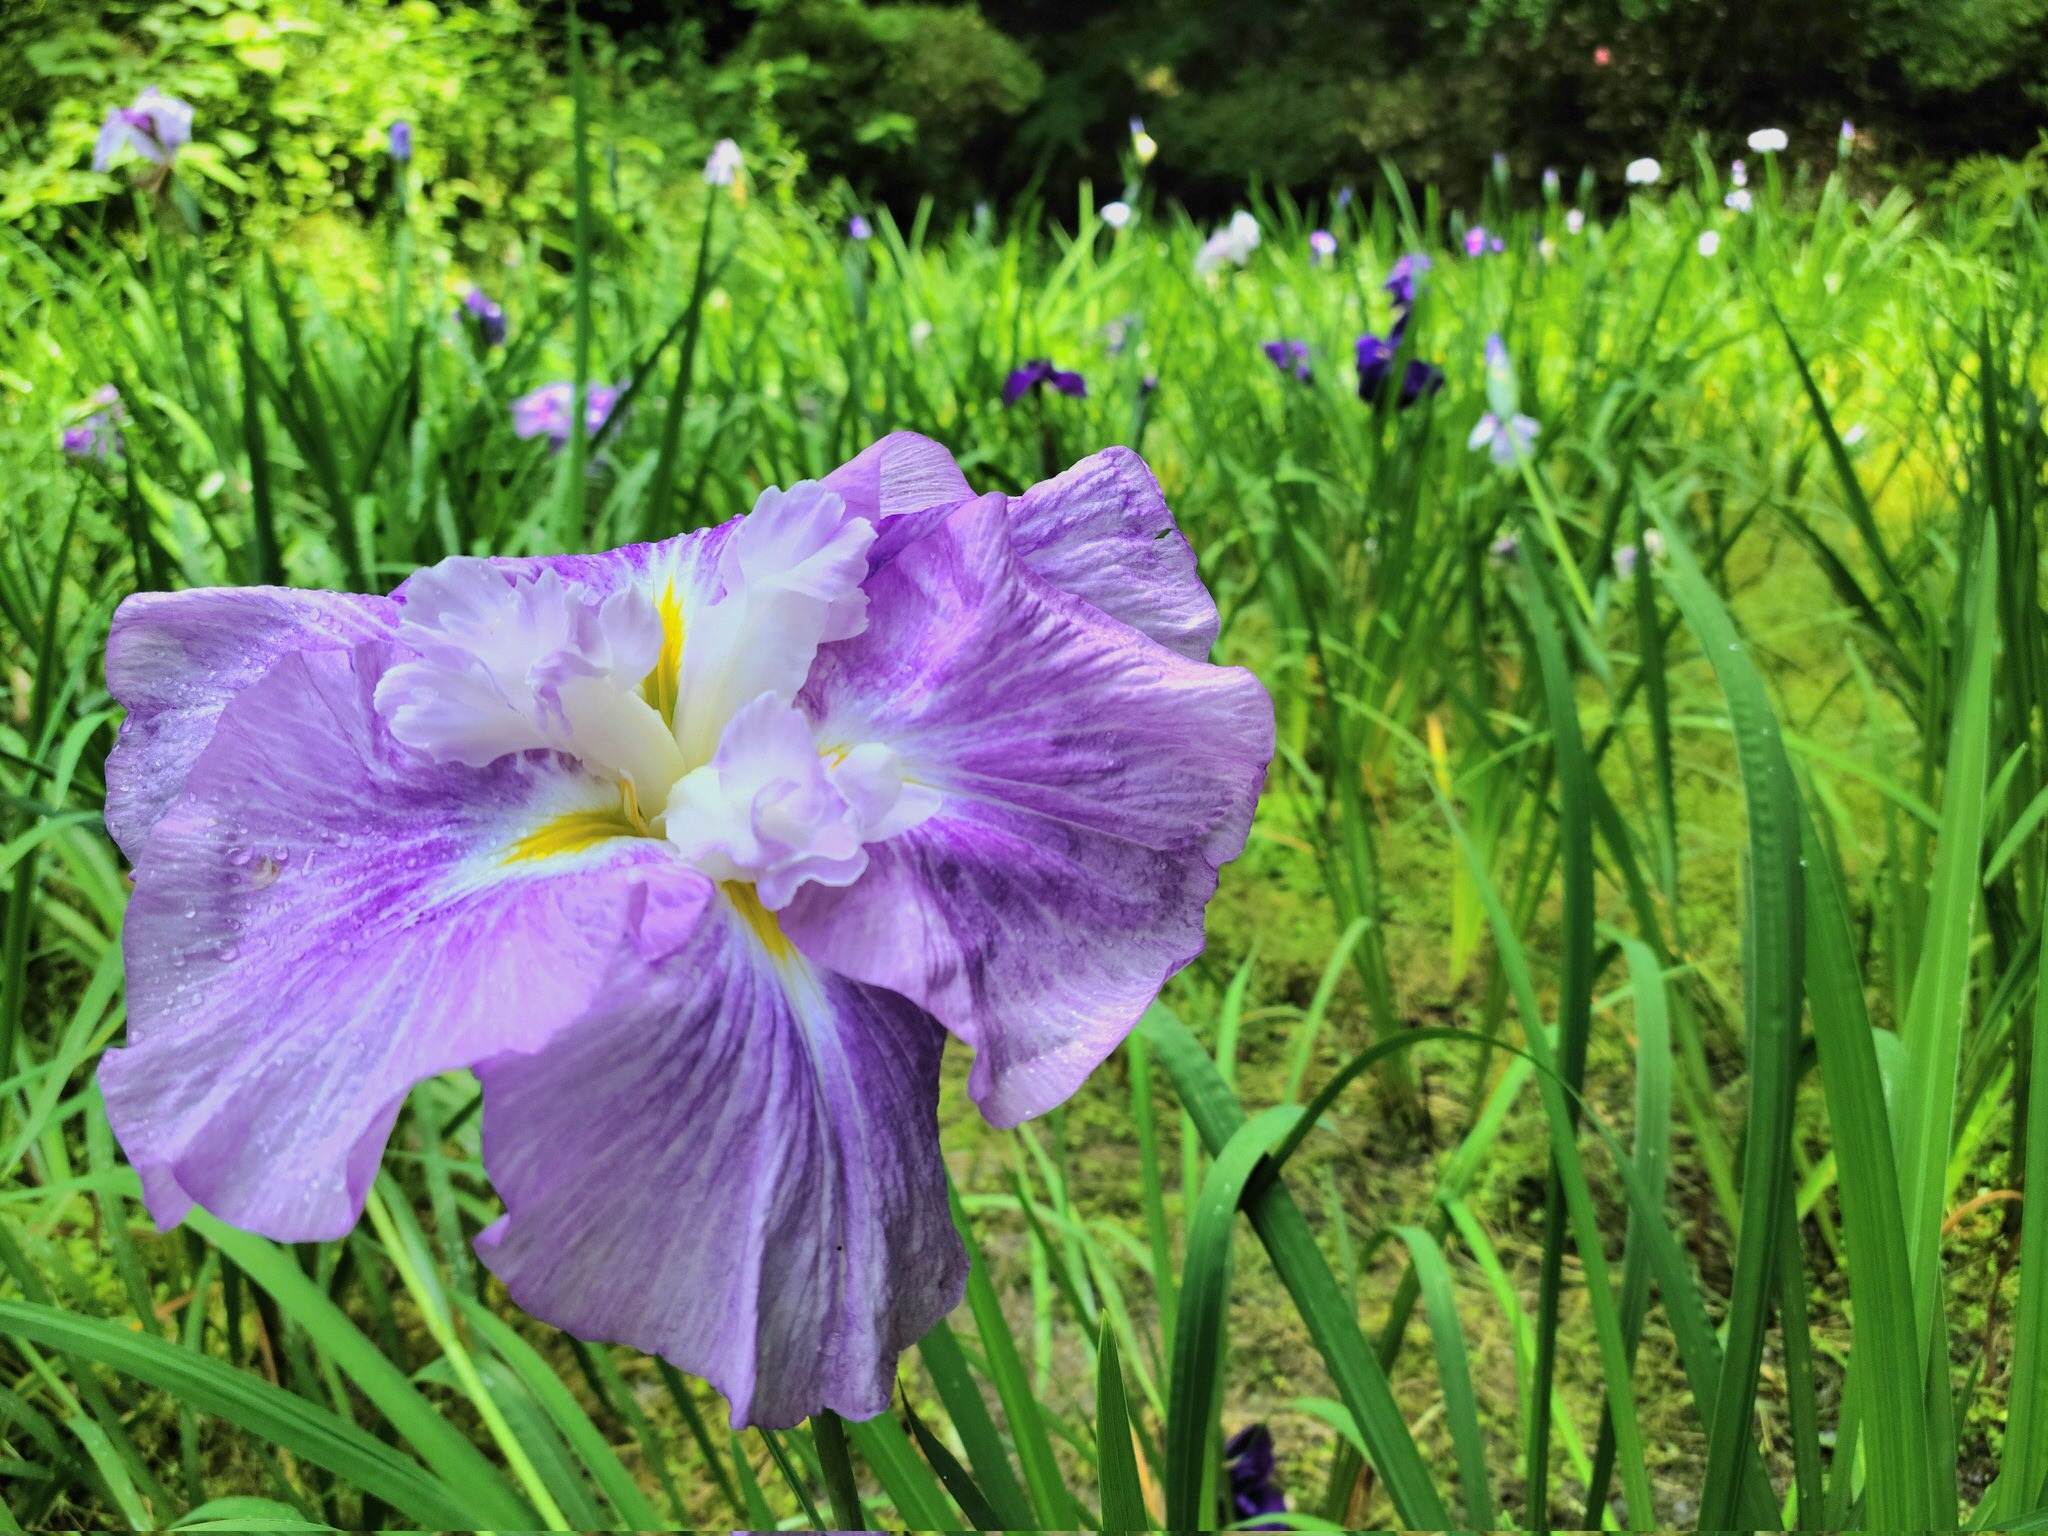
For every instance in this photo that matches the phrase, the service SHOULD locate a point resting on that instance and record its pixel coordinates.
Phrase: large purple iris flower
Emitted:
(1040, 372)
(1249, 1463)
(695, 852)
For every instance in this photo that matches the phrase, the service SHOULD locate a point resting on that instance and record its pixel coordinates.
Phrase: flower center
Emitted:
(691, 710)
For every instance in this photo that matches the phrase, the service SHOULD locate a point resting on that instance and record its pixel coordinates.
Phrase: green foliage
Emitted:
(904, 98)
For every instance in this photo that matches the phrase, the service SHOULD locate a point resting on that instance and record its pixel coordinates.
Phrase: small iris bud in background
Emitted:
(1117, 215)
(1574, 221)
(1644, 172)
(859, 228)
(1552, 182)
(1768, 141)
(1737, 200)
(1143, 145)
(1322, 245)
(1848, 136)
(398, 140)
(1710, 241)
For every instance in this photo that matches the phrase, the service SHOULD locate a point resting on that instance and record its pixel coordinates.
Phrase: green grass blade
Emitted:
(1773, 975)
(251, 1404)
(921, 1504)
(437, 1442)
(1195, 1396)
(1325, 1309)
(1901, 1483)
(1013, 1387)
(592, 1450)
(986, 1453)
(1454, 1370)
(1123, 1496)
(958, 1481)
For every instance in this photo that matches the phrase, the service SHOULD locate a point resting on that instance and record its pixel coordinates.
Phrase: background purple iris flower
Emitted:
(859, 227)
(488, 314)
(548, 411)
(1040, 372)
(1249, 1462)
(1401, 278)
(1289, 357)
(399, 141)
(1375, 367)
(98, 437)
(380, 838)
(156, 127)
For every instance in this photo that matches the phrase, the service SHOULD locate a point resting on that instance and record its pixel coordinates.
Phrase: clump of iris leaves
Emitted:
(1678, 916)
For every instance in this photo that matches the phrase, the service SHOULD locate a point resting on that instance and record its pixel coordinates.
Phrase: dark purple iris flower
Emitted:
(1376, 367)
(1401, 279)
(1026, 380)
(488, 314)
(1248, 1459)
(1289, 357)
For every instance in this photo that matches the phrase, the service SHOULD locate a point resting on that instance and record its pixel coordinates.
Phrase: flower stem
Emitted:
(830, 1434)
(442, 1326)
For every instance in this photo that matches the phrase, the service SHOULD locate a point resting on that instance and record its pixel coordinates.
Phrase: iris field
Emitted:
(1619, 1035)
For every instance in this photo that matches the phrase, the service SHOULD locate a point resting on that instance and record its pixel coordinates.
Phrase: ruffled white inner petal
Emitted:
(737, 780)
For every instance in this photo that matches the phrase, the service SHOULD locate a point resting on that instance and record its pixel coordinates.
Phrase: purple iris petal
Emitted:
(494, 821)
(1401, 278)
(548, 411)
(1289, 357)
(488, 314)
(1036, 913)
(156, 127)
(1040, 371)
(1375, 369)
(1249, 1463)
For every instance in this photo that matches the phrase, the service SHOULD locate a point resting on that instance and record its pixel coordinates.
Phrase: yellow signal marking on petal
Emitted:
(575, 831)
(759, 919)
(663, 686)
